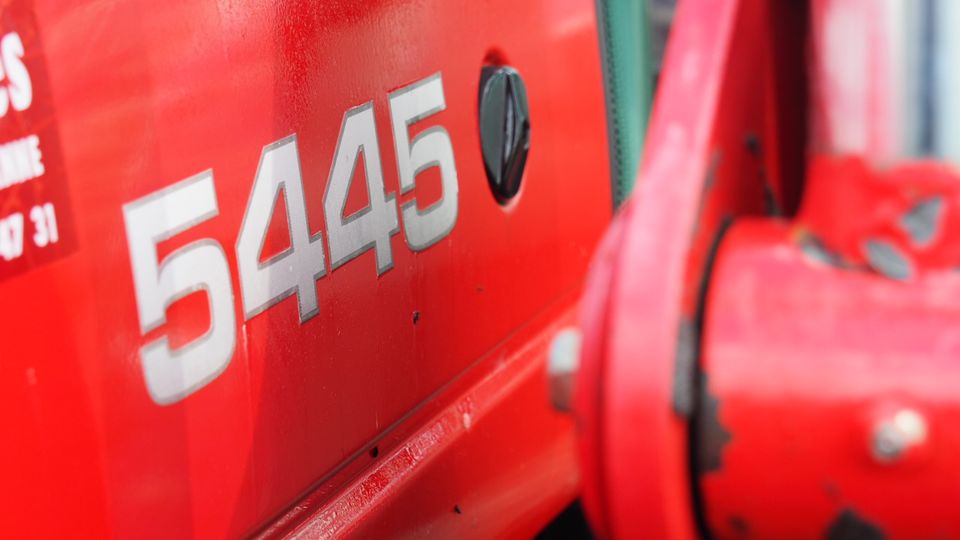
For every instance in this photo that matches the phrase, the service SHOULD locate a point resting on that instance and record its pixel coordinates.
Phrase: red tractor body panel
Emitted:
(399, 399)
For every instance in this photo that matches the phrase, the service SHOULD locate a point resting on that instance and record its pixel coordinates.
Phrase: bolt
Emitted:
(894, 436)
(504, 129)
(562, 365)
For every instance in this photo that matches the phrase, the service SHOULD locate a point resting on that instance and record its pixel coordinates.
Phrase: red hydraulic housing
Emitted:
(770, 343)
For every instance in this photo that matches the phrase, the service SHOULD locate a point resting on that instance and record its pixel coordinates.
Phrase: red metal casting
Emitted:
(829, 351)
(805, 365)
(353, 412)
(793, 375)
(725, 139)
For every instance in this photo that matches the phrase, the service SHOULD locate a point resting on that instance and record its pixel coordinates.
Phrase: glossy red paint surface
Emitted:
(487, 446)
(148, 94)
(804, 359)
(720, 137)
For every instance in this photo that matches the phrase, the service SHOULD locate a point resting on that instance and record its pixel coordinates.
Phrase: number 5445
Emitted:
(173, 374)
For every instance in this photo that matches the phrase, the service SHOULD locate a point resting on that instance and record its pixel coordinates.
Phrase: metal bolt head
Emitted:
(562, 365)
(888, 443)
(894, 436)
(504, 129)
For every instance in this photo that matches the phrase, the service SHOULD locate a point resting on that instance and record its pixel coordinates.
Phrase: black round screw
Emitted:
(504, 129)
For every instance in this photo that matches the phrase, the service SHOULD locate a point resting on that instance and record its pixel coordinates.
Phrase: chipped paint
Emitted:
(849, 525)
(711, 435)
(685, 367)
(885, 259)
(923, 220)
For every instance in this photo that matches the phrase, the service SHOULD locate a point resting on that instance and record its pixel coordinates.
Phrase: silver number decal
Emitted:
(297, 268)
(430, 148)
(372, 226)
(172, 375)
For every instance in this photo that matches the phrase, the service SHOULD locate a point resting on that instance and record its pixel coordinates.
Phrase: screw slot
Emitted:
(894, 436)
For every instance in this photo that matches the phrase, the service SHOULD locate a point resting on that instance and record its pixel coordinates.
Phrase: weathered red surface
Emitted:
(821, 331)
(722, 143)
(146, 94)
(848, 202)
(803, 362)
(792, 375)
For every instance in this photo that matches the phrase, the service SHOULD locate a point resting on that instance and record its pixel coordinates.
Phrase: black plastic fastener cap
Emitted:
(504, 129)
